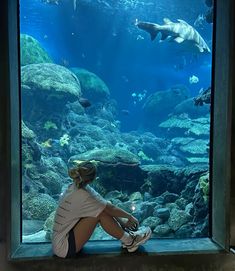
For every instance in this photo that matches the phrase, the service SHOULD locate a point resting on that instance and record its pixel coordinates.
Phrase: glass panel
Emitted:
(126, 84)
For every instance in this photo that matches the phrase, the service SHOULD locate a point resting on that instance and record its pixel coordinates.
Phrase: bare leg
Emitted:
(83, 231)
(110, 225)
(85, 227)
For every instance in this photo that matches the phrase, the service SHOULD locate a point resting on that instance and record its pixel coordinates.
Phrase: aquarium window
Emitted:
(132, 86)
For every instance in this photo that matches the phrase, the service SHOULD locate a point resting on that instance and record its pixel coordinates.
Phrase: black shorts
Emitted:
(72, 245)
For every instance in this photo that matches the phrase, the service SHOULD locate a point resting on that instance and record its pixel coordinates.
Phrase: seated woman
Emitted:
(81, 208)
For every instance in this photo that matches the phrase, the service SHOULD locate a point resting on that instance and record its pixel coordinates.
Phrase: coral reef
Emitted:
(31, 51)
(162, 103)
(93, 87)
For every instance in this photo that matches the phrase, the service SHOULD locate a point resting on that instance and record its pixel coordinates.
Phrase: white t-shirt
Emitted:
(74, 205)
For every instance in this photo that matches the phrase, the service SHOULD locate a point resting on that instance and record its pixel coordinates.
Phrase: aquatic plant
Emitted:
(50, 125)
(143, 156)
(64, 140)
(47, 143)
(204, 186)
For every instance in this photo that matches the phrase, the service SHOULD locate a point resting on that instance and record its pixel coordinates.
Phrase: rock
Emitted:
(39, 206)
(162, 213)
(31, 226)
(118, 169)
(93, 87)
(152, 222)
(136, 196)
(178, 218)
(185, 231)
(196, 147)
(183, 125)
(161, 103)
(192, 110)
(48, 225)
(158, 178)
(51, 180)
(147, 209)
(162, 230)
(31, 51)
(169, 197)
(26, 132)
(48, 84)
(116, 195)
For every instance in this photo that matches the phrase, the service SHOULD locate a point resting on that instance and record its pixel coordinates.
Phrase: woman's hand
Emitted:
(132, 223)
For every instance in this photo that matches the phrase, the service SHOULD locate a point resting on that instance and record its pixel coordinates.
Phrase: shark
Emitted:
(179, 32)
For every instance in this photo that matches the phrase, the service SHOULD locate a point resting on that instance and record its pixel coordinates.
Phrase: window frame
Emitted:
(221, 119)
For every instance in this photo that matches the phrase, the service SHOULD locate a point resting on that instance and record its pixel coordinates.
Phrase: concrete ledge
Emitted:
(106, 249)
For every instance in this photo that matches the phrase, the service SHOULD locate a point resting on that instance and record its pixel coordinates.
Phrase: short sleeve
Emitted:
(93, 205)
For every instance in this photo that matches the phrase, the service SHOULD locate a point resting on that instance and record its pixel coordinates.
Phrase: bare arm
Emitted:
(120, 213)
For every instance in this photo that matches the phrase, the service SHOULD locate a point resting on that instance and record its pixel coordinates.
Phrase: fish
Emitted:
(53, 2)
(125, 112)
(84, 102)
(74, 5)
(193, 79)
(179, 32)
(204, 97)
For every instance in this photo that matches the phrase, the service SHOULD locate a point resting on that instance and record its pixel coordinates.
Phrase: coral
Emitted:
(50, 125)
(52, 181)
(47, 143)
(93, 87)
(39, 206)
(26, 132)
(199, 160)
(199, 126)
(52, 87)
(143, 156)
(48, 226)
(50, 80)
(204, 185)
(64, 140)
(109, 156)
(161, 103)
(198, 146)
(31, 51)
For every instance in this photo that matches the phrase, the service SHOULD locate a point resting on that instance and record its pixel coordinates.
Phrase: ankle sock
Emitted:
(126, 238)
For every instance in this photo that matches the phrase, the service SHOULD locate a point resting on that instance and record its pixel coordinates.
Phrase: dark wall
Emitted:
(3, 106)
(221, 262)
(233, 160)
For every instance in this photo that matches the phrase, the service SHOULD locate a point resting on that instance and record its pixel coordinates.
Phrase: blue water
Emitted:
(100, 36)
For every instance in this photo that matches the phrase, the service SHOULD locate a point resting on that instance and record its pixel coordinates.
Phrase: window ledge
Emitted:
(104, 248)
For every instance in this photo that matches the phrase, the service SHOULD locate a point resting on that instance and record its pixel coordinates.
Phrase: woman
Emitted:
(81, 209)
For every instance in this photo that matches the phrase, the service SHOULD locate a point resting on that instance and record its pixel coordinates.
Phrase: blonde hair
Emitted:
(83, 173)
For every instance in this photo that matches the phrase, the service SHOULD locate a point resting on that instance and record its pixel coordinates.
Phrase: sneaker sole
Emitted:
(133, 249)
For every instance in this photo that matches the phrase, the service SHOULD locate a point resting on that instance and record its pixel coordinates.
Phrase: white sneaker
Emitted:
(138, 238)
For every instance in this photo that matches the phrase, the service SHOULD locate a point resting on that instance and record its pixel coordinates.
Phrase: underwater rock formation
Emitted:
(48, 84)
(93, 87)
(118, 169)
(192, 110)
(183, 125)
(161, 103)
(39, 206)
(31, 51)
